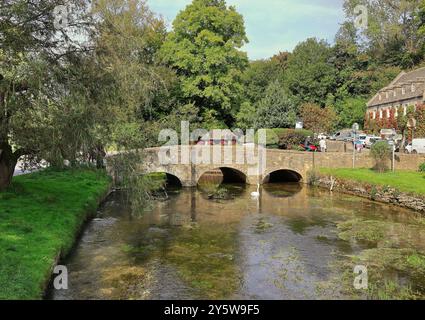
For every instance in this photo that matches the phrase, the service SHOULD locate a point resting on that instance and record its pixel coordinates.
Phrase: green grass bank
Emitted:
(41, 215)
(404, 181)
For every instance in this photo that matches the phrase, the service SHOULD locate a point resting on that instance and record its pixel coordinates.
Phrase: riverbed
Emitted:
(292, 242)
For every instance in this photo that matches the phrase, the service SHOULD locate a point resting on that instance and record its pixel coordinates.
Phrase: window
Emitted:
(413, 87)
(395, 112)
(404, 110)
(380, 113)
(403, 90)
(395, 92)
(388, 113)
(386, 95)
(380, 97)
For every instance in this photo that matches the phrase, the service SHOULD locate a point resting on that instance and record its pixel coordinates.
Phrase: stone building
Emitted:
(407, 89)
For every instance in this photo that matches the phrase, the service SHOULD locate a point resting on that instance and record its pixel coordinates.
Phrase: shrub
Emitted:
(292, 138)
(422, 167)
(381, 153)
(285, 138)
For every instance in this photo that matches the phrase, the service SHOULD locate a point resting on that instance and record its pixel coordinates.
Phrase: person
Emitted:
(322, 144)
(359, 146)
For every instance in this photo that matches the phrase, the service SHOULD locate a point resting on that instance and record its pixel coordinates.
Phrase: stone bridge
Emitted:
(184, 166)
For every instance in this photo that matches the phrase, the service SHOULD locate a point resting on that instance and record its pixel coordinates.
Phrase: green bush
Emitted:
(422, 167)
(292, 138)
(381, 153)
(285, 138)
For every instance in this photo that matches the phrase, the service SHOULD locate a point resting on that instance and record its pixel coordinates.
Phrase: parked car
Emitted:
(370, 140)
(310, 147)
(417, 146)
(341, 135)
(362, 139)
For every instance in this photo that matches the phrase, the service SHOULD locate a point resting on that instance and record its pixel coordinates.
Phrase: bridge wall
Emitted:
(299, 162)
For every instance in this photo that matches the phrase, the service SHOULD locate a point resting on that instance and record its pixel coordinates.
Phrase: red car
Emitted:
(310, 148)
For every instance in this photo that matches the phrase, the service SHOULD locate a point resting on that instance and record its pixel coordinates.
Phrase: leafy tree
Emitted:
(33, 42)
(246, 117)
(392, 33)
(318, 119)
(276, 110)
(381, 152)
(350, 110)
(203, 50)
(310, 74)
(259, 75)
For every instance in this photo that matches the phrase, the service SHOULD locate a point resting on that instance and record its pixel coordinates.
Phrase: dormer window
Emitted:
(403, 90)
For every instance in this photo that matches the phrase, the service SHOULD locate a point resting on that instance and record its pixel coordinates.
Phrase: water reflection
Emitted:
(216, 242)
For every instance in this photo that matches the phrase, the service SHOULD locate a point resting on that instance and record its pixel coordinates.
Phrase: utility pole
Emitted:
(355, 129)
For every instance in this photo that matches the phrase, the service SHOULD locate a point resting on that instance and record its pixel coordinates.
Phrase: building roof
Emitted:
(404, 79)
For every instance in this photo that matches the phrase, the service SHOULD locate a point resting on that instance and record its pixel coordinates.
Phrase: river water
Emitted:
(293, 242)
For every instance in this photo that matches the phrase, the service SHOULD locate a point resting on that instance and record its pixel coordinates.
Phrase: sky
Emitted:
(273, 25)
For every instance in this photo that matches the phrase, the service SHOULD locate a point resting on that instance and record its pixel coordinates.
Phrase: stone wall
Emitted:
(299, 162)
(372, 192)
(363, 160)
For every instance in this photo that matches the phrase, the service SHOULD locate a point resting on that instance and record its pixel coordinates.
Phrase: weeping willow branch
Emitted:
(140, 189)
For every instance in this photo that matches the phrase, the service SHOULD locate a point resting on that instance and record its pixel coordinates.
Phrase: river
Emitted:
(293, 242)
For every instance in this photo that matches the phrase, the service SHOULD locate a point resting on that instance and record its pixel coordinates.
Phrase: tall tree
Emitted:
(34, 37)
(392, 31)
(203, 48)
(259, 75)
(310, 75)
(318, 119)
(276, 110)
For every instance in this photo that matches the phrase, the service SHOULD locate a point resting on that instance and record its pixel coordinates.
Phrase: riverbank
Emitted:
(402, 188)
(40, 216)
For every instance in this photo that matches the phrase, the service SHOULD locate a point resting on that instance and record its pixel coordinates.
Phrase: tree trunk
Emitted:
(8, 162)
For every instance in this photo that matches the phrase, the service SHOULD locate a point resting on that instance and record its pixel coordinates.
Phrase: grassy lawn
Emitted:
(405, 181)
(39, 217)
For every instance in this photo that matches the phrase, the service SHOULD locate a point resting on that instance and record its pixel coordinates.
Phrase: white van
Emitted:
(417, 146)
(370, 140)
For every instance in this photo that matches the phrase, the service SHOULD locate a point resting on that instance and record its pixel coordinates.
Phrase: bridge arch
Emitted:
(171, 179)
(229, 175)
(282, 175)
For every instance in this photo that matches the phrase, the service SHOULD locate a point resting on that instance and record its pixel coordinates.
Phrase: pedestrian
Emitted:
(359, 146)
(323, 145)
